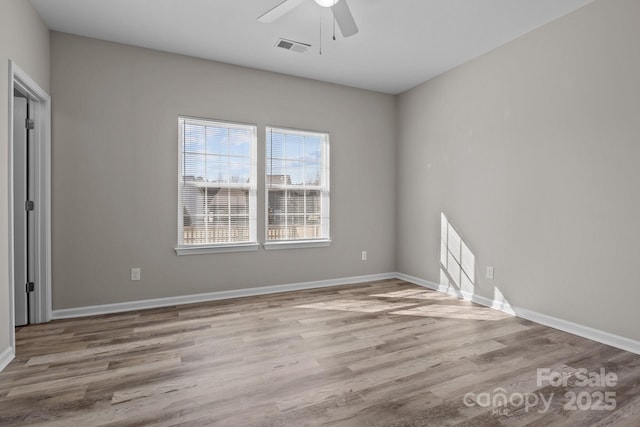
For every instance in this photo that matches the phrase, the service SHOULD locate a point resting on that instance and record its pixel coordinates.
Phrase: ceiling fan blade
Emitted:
(344, 18)
(279, 10)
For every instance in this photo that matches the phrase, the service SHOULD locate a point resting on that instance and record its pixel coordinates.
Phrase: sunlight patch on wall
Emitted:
(501, 303)
(456, 259)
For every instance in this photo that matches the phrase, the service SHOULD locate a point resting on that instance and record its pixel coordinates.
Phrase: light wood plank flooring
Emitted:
(384, 353)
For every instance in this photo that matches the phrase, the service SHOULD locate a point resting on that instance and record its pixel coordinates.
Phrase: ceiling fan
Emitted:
(340, 9)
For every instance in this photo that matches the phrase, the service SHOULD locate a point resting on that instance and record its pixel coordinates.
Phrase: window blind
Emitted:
(297, 181)
(217, 183)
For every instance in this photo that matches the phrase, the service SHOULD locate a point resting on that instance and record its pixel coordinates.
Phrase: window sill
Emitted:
(300, 244)
(217, 249)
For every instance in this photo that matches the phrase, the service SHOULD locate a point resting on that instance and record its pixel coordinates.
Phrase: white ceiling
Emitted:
(401, 43)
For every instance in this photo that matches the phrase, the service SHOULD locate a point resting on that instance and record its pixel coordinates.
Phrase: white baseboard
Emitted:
(543, 319)
(6, 357)
(212, 296)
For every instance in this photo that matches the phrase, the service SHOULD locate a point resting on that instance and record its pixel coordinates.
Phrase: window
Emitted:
(297, 181)
(217, 186)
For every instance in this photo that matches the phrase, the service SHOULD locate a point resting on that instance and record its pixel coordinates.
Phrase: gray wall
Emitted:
(114, 155)
(532, 152)
(25, 40)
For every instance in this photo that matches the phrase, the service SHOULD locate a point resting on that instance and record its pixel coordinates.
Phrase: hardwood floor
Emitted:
(378, 354)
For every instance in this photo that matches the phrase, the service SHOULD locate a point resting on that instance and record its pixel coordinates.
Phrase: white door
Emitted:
(24, 220)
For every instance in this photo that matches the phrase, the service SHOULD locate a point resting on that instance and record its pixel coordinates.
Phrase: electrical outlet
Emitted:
(135, 274)
(364, 255)
(489, 272)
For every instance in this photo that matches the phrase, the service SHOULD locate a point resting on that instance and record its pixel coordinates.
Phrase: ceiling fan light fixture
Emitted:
(327, 3)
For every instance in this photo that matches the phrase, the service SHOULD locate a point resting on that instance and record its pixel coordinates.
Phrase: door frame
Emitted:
(41, 100)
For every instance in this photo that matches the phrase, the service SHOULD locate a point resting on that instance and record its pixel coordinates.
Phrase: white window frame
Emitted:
(325, 190)
(197, 249)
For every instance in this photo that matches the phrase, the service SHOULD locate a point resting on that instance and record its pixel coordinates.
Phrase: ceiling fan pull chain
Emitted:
(320, 31)
(333, 9)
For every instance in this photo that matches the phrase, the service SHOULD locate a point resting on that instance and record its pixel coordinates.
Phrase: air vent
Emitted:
(293, 45)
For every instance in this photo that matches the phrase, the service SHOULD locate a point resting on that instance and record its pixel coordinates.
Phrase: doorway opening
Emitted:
(23, 208)
(29, 201)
